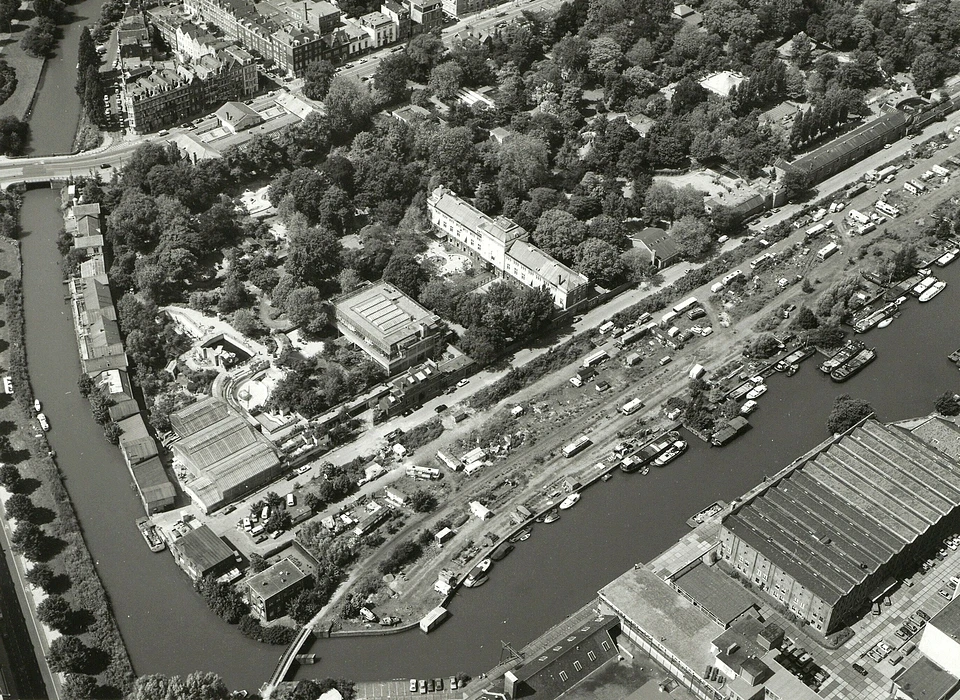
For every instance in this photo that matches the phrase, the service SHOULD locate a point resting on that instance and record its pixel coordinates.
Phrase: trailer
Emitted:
(858, 217)
(595, 358)
(685, 305)
(631, 336)
(577, 446)
(631, 406)
(814, 231)
(827, 251)
(887, 209)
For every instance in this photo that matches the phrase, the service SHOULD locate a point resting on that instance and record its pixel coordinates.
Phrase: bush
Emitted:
(250, 627)
(8, 81)
(846, 413)
(423, 501)
(420, 435)
(947, 404)
(405, 553)
(22, 391)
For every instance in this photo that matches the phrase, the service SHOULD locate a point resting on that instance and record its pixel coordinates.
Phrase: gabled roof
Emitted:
(661, 243)
(203, 548)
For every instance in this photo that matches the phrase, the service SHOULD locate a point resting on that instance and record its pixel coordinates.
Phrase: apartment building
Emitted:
(505, 246)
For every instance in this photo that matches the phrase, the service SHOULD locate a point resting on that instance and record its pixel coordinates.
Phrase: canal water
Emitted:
(631, 518)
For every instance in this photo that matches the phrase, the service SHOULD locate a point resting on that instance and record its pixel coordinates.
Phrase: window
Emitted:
(605, 645)
(563, 676)
(591, 656)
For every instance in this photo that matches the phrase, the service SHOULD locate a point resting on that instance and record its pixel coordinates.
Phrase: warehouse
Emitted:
(830, 534)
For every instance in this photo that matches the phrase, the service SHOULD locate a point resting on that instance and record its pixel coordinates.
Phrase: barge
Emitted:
(849, 349)
(854, 365)
(150, 535)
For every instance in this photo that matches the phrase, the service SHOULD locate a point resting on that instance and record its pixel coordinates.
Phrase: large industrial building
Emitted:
(828, 537)
(504, 245)
(393, 329)
(224, 456)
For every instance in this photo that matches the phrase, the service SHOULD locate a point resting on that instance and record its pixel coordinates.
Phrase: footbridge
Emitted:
(286, 661)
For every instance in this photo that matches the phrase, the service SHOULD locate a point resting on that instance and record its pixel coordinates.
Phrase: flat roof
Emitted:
(926, 681)
(652, 605)
(279, 577)
(383, 312)
(948, 619)
(852, 505)
(941, 433)
(715, 592)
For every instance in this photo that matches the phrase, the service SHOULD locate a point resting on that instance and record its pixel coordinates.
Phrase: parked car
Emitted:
(440, 408)
(860, 669)
(413, 685)
(439, 682)
(923, 616)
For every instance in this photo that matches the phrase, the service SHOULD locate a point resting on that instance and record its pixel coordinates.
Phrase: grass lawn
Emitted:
(28, 70)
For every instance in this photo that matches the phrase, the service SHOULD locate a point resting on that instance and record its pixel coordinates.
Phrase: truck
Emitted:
(668, 317)
(887, 171)
(887, 209)
(827, 251)
(856, 189)
(582, 376)
(818, 215)
(633, 359)
(685, 305)
(716, 287)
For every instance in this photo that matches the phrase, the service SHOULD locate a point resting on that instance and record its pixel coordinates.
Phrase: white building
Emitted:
(505, 246)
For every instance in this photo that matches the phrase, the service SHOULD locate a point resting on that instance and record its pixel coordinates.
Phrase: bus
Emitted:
(631, 406)
(577, 446)
(685, 304)
(595, 358)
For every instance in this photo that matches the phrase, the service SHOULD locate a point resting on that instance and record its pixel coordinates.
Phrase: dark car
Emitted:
(860, 669)
(923, 616)
(431, 685)
(440, 408)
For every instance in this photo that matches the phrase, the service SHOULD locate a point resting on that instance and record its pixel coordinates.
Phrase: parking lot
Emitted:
(400, 688)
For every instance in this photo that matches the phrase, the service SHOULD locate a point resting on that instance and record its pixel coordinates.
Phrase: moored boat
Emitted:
(947, 257)
(36, 405)
(671, 453)
(478, 574)
(502, 550)
(885, 322)
(570, 501)
(44, 423)
(849, 349)
(924, 285)
(933, 291)
(150, 535)
(854, 365)
(757, 391)
(793, 370)
(552, 516)
(749, 407)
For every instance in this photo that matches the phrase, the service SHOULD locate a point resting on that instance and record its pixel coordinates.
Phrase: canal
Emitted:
(168, 629)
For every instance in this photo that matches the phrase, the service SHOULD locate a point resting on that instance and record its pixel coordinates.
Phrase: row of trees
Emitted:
(89, 87)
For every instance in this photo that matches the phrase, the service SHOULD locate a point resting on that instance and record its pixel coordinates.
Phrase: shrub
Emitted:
(405, 553)
(846, 413)
(947, 404)
(70, 655)
(250, 627)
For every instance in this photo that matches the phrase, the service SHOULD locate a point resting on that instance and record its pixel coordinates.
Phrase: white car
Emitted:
(304, 469)
(462, 383)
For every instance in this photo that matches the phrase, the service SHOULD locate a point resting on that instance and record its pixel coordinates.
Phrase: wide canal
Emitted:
(629, 519)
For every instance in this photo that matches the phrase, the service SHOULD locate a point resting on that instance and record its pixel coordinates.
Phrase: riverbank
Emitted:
(58, 546)
(29, 76)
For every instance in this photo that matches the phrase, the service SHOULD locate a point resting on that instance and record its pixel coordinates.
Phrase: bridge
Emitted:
(286, 661)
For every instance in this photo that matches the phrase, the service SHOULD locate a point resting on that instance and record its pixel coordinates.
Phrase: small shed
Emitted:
(433, 619)
(445, 535)
(480, 510)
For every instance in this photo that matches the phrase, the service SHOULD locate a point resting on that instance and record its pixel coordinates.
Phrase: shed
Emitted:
(480, 510)
(444, 535)
(433, 619)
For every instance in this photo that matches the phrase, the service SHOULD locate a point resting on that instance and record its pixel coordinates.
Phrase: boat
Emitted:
(478, 574)
(849, 349)
(782, 365)
(749, 407)
(954, 356)
(44, 423)
(947, 257)
(645, 470)
(885, 322)
(740, 391)
(937, 287)
(525, 536)
(757, 391)
(606, 477)
(519, 536)
(671, 453)
(501, 550)
(570, 501)
(899, 300)
(854, 365)
(150, 535)
(924, 285)
(36, 405)
(874, 319)
(793, 370)
(306, 659)
(552, 516)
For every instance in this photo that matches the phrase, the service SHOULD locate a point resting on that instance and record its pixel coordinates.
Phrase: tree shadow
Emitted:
(4, 274)
(5, 400)
(107, 691)
(78, 621)
(50, 547)
(98, 662)
(7, 427)
(42, 515)
(59, 584)
(27, 485)
(16, 456)
(4, 345)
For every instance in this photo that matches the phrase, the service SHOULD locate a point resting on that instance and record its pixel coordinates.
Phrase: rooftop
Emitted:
(470, 217)
(648, 601)
(282, 575)
(836, 517)
(135, 440)
(717, 593)
(204, 548)
(851, 141)
(722, 83)
(551, 270)
(926, 681)
(948, 619)
(659, 241)
(383, 312)
(942, 434)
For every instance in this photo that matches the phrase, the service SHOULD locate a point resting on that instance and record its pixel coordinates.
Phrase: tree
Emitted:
(762, 347)
(258, 563)
(316, 79)
(599, 261)
(796, 185)
(805, 319)
(482, 345)
(9, 477)
(28, 539)
(14, 135)
(927, 70)
(223, 599)
(69, 655)
(314, 256)
(423, 501)
(197, 686)
(846, 413)
(446, 79)
(559, 233)
(80, 686)
(55, 612)
(523, 163)
(947, 404)
(424, 51)
(391, 77)
(19, 507)
(693, 236)
(404, 272)
(41, 576)
(349, 105)
(40, 39)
